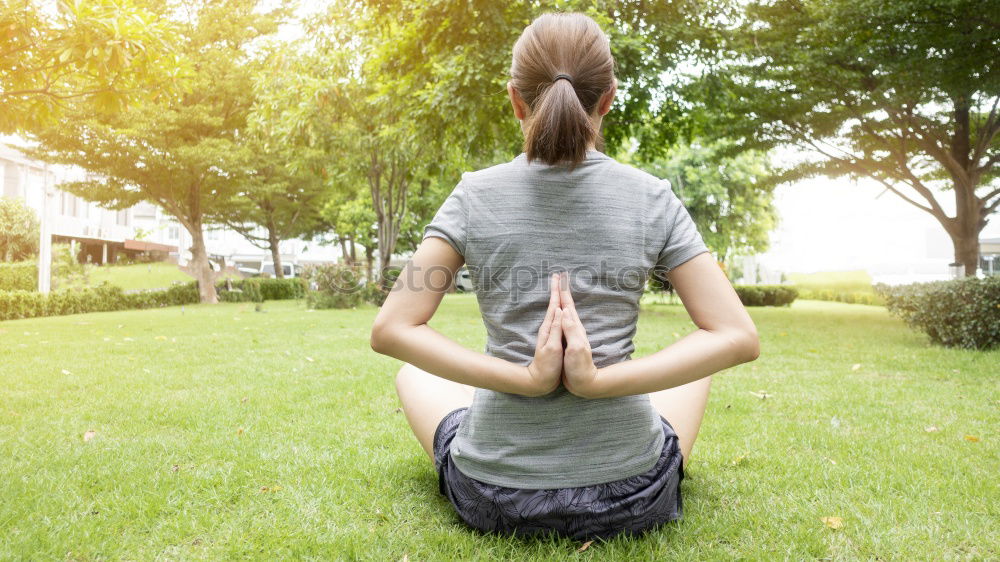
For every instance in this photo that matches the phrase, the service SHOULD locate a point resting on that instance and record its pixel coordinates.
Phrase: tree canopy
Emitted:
(178, 151)
(87, 56)
(902, 92)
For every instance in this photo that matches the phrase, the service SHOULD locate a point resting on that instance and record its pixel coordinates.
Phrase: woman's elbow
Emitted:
(745, 345)
(751, 346)
(381, 336)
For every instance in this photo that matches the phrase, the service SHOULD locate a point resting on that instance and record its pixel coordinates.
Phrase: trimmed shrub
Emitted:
(766, 295)
(104, 297)
(259, 289)
(243, 290)
(334, 286)
(19, 276)
(851, 297)
(281, 289)
(962, 313)
(374, 293)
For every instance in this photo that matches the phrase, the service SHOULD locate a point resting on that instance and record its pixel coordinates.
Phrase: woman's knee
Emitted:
(405, 377)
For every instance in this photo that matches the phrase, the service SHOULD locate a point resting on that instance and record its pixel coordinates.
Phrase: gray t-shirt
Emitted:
(606, 223)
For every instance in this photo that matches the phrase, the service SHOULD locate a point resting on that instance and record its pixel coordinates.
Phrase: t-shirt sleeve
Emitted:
(451, 222)
(683, 240)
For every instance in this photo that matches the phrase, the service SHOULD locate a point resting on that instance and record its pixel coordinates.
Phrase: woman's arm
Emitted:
(400, 330)
(726, 337)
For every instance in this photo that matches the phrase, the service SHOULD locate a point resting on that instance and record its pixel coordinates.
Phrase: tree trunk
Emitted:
(200, 267)
(384, 257)
(370, 261)
(272, 239)
(343, 250)
(966, 246)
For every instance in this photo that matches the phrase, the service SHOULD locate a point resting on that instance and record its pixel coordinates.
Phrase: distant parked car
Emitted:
(463, 281)
(267, 269)
(289, 269)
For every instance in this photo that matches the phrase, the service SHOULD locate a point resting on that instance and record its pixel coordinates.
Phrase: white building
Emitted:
(103, 235)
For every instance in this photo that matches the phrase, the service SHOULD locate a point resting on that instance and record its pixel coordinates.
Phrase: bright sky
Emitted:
(837, 225)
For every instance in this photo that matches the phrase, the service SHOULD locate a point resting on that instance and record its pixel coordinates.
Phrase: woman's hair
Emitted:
(557, 44)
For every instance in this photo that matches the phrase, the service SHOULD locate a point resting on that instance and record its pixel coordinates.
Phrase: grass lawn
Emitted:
(857, 280)
(158, 275)
(221, 432)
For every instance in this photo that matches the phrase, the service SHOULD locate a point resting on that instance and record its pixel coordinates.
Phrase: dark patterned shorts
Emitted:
(633, 505)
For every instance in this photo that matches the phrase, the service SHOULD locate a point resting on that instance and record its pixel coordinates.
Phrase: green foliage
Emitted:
(19, 276)
(381, 97)
(247, 290)
(334, 286)
(260, 289)
(766, 295)
(29, 304)
(283, 185)
(905, 93)
(19, 234)
(853, 287)
(729, 197)
(83, 56)
(963, 313)
(105, 297)
(851, 297)
(374, 293)
(450, 54)
(183, 152)
(67, 271)
(281, 289)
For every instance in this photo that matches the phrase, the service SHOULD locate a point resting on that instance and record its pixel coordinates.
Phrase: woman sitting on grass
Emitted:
(554, 428)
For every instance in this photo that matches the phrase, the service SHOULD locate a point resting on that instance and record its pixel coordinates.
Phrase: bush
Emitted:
(104, 297)
(962, 313)
(67, 271)
(374, 293)
(281, 289)
(19, 276)
(243, 290)
(766, 295)
(259, 289)
(852, 297)
(334, 286)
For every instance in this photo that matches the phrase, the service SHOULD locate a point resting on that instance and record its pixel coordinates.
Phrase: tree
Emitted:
(332, 96)
(18, 230)
(280, 191)
(88, 56)
(355, 224)
(902, 92)
(176, 152)
(446, 58)
(409, 104)
(729, 196)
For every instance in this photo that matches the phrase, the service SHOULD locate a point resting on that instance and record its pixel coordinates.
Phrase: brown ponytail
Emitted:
(557, 44)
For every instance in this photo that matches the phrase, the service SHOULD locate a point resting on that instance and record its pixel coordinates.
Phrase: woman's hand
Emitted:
(579, 371)
(545, 371)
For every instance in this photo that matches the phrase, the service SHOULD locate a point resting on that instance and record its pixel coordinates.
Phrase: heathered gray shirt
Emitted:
(606, 223)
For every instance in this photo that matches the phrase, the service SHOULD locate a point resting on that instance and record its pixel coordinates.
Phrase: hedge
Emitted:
(107, 297)
(18, 276)
(851, 297)
(259, 289)
(766, 295)
(962, 313)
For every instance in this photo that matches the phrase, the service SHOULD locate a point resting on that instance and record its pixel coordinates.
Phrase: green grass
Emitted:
(158, 275)
(197, 409)
(857, 280)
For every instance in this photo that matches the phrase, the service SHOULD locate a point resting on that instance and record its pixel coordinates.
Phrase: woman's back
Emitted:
(608, 225)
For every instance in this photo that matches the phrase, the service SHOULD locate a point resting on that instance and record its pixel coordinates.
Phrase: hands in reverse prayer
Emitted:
(562, 352)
